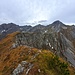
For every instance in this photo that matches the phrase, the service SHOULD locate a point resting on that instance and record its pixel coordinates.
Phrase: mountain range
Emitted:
(56, 38)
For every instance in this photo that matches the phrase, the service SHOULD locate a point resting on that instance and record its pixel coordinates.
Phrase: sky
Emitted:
(24, 12)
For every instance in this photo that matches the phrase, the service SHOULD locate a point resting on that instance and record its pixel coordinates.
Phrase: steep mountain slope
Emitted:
(26, 60)
(57, 37)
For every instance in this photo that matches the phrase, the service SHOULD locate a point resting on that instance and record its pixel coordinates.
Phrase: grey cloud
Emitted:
(29, 11)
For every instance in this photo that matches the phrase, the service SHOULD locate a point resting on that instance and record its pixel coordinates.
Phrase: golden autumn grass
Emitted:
(10, 58)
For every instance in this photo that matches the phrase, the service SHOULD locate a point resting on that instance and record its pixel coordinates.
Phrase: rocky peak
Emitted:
(39, 26)
(57, 23)
(7, 26)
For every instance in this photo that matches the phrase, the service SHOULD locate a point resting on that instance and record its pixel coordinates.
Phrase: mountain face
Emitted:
(56, 37)
(10, 28)
(60, 46)
(26, 60)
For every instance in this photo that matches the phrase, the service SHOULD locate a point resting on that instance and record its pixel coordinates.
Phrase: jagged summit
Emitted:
(57, 25)
(57, 22)
(39, 26)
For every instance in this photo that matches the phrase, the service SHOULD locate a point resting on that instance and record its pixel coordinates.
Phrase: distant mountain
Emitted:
(57, 22)
(37, 28)
(10, 28)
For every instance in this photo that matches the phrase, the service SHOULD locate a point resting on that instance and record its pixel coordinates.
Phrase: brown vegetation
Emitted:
(11, 57)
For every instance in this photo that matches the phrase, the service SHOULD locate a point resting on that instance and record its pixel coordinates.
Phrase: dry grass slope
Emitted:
(44, 62)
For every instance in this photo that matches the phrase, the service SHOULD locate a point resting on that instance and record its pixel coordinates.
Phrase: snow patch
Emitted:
(49, 44)
(45, 31)
(52, 47)
(2, 31)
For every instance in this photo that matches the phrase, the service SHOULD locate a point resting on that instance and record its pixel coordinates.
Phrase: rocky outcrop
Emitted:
(23, 67)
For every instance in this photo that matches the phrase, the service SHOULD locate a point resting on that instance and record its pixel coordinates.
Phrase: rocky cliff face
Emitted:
(56, 37)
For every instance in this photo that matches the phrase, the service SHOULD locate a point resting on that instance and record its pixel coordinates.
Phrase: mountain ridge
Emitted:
(26, 60)
(21, 45)
(41, 36)
(4, 27)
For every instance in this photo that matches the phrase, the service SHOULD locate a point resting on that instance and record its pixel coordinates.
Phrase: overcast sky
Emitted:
(30, 11)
